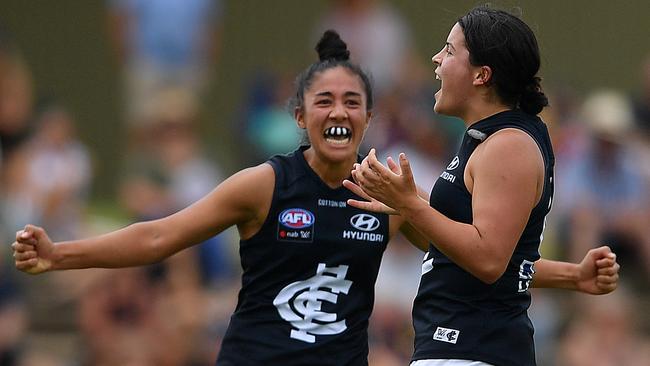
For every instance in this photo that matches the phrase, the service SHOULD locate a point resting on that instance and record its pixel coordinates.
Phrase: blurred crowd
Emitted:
(174, 312)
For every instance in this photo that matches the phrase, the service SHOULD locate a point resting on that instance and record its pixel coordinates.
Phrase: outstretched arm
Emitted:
(597, 274)
(237, 201)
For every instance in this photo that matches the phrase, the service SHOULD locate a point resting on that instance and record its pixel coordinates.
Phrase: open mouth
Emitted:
(337, 135)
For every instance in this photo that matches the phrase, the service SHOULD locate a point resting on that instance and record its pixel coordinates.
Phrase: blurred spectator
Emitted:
(15, 110)
(172, 288)
(378, 37)
(391, 332)
(605, 195)
(641, 104)
(269, 127)
(642, 101)
(122, 325)
(60, 172)
(190, 175)
(162, 43)
(16, 98)
(606, 332)
(13, 317)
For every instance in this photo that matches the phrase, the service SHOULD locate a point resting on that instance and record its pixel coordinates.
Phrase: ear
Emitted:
(299, 116)
(368, 117)
(483, 76)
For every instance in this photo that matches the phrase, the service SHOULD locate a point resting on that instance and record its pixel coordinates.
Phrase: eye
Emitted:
(323, 102)
(353, 102)
(448, 49)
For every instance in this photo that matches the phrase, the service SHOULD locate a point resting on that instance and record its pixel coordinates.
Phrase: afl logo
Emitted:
(296, 218)
(454, 163)
(364, 222)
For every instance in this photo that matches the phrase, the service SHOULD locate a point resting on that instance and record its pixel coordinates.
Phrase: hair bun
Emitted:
(533, 99)
(332, 47)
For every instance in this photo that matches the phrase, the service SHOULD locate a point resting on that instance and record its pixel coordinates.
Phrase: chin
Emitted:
(341, 153)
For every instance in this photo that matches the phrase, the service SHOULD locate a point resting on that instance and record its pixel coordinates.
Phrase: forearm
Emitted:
(134, 245)
(411, 233)
(461, 243)
(554, 274)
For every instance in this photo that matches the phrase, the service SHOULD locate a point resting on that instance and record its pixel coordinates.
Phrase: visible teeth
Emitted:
(337, 131)
(437, 77)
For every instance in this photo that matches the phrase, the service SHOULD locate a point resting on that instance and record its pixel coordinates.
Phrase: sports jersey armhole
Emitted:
(277, 181)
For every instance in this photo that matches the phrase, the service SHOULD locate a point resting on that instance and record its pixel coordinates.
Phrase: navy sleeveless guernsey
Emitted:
(455, 315)
(308, 276)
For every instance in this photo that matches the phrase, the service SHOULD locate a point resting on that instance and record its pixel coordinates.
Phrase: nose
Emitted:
(338, 112)
(437, 58)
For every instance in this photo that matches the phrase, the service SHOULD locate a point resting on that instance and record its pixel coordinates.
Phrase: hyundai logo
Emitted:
(364, 222)
(454, 163)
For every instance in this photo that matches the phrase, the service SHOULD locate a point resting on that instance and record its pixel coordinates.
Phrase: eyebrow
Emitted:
(347, 94)
(450, 45)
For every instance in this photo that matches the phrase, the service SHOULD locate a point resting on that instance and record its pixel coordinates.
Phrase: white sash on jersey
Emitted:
(448, 362)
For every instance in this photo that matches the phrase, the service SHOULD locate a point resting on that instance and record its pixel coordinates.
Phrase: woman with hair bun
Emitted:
(309, 260)
(486, 214)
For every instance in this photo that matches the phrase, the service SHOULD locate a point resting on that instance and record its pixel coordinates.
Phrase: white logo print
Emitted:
(446, 335)
(454, 163)
(300, 303)
(364, 222)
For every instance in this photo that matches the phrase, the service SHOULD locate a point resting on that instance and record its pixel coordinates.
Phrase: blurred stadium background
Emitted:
(108, 116)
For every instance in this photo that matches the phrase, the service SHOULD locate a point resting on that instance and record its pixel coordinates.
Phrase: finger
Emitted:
(23, 256)
(364, 163)
(356, 189)
(610, 260)
(364, 205)
(26, 265)
(23, 234)
(29, 241)
(605, 262)
(607, 288)
(601, 252)
(358, 178)
(610, 270)
(607, 279)
(30, 231)
(393, 166)
(405, 166)
(22, 247)
(376, 165)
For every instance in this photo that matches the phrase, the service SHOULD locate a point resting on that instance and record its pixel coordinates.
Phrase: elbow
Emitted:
(489, 273)
(152, 243)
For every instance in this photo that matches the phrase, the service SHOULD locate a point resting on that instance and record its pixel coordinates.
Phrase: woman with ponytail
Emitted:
(486, 213)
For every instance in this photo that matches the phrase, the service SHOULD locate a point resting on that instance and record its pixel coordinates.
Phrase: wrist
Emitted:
(573, 276)
(55, 257)
(410, 207)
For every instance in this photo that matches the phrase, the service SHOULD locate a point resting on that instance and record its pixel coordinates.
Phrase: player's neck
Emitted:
(331, 173)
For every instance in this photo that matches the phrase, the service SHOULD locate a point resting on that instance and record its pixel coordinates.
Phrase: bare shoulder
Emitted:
(510, 148)
(261, 174)
(253, 184)
(253, 189)
(508, 157)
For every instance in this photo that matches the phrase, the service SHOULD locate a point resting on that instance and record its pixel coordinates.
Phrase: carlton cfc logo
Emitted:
(296, 218)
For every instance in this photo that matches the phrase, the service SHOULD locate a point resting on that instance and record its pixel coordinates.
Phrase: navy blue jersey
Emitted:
(308, 276)
(456, 315)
